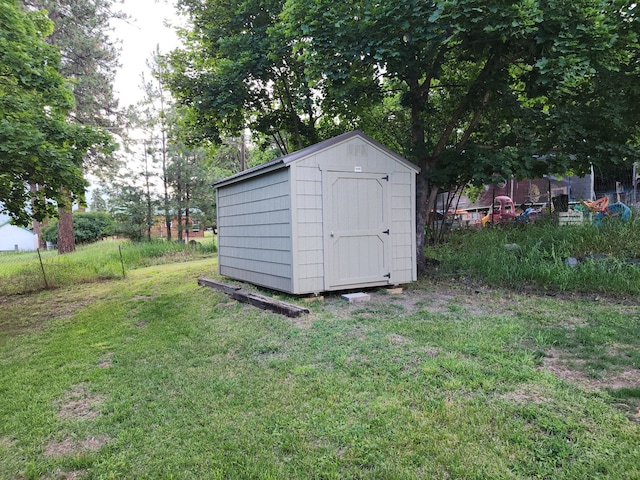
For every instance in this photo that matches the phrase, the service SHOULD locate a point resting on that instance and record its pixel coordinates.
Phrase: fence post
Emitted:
(46, 284)
(121, 261)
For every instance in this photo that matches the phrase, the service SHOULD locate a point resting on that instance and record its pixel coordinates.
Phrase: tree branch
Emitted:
(464, 105)
(474, 122)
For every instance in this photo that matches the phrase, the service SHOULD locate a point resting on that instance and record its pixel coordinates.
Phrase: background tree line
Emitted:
(469, 91)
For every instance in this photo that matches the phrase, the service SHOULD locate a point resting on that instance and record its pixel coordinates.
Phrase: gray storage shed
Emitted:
(337, 215)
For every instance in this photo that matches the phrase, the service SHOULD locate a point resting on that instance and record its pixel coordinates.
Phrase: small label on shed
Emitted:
(357, 169)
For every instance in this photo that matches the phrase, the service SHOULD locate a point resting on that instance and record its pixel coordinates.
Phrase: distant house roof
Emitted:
(282, 162)
(8, 222)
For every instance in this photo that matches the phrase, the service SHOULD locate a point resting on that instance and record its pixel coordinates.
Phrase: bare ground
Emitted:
(460, 300)
(71, 446)
(80, 404)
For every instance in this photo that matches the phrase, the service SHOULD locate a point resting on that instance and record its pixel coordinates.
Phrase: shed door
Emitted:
(356, 229)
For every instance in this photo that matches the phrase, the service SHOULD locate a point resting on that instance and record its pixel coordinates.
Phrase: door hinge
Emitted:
(388, 275)
(386, 231)
(386, 177)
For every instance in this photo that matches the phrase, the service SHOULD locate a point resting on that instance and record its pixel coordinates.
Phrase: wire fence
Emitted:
(25, 272)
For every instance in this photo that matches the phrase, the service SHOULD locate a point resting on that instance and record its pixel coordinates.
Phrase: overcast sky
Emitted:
(139, 36)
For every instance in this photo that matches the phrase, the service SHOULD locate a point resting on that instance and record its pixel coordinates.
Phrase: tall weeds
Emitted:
(607, 258)
(23, 272)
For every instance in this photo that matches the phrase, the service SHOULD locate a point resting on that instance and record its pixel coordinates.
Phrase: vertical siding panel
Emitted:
(403, 231)
(307, 191)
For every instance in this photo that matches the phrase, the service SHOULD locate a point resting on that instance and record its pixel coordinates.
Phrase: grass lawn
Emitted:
(152, 376)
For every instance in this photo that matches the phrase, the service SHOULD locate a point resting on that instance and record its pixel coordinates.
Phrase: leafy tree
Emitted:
(155, 117)
(89, 58)
(465, 89)
(98, 202)
(193, 197)
(128, 209)
(484, 87)
(225, 158)
(237, 70)
(38, 145)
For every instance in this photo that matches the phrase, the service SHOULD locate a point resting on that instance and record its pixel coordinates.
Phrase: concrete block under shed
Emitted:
(356, 297)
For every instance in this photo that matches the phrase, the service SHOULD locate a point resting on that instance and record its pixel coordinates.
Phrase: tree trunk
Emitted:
(180, 226)
(426, 196)
(147, 174)
(66, 236)
(37, 226)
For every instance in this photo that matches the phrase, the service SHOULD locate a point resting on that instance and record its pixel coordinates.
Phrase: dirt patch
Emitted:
(71, 446)
(145, 297)
(560, 365)
(564, 368)
(80, 404)
(398, 339)
(6, 442)
(29, 312)
(447, 299)
(527, 393)
(106, 360)
(359, 333)
(61, 474)
(572, 322)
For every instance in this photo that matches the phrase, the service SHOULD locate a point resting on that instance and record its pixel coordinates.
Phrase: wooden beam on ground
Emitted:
(255, 299)
(223, 287)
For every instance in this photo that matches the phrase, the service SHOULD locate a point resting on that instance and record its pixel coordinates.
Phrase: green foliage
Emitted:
(237, 70)
(129, 212)
(465, 89)
(38, 144)
(609, 255)
(89, 59)
(192, 196)
(484, 96)
(87, 226)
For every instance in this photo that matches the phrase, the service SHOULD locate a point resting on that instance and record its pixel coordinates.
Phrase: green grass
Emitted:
(23, 272)
(172, 380)
(610, 257)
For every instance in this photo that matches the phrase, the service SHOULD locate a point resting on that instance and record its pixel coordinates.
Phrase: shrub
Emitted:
(88, 227)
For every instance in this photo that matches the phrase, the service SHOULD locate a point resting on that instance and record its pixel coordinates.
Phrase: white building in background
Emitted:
(14, 238)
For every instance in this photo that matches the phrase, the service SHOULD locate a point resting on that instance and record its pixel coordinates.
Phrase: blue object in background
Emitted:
(617, 210)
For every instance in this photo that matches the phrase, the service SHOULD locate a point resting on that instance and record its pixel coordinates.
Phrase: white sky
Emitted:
(139, 36)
